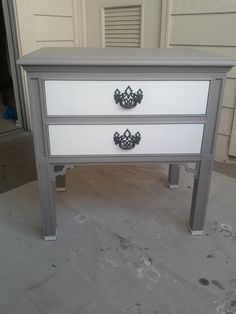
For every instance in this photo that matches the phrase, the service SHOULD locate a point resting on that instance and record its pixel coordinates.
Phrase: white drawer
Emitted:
(99, 139)
(97, 97)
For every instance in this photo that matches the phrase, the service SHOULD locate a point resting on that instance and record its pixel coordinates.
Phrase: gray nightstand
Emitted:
(124, 106)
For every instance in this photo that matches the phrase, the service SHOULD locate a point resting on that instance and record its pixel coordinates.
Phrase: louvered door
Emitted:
(123, 23)
(122, 26)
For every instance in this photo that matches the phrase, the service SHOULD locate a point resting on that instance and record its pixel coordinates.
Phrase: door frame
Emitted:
(9, 12)
(232, 137)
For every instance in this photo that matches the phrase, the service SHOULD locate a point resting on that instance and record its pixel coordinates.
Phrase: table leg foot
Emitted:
(50, 238)
(60, 189)
(173, 186)
(195, 232)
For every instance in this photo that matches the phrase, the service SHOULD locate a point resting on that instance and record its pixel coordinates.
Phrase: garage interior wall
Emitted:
(204, 24)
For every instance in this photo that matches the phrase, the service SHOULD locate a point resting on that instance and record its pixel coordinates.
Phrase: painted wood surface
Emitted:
(98, 139)
(97, 97)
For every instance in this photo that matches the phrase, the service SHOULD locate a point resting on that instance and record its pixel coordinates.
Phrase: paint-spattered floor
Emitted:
(122, 247)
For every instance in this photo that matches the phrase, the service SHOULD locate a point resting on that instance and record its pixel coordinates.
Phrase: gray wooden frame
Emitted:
(48, 166)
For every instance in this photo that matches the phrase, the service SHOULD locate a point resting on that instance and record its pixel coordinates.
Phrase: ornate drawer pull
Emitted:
(128, 99)
(127, 140)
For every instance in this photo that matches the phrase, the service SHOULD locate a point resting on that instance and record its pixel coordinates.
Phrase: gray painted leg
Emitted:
(60, 180)
(173, 178)
(200, 196)
(48, 210)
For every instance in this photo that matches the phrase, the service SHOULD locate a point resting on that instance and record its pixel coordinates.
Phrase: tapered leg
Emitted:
(173, 178)
(200, 196)
(60, 180)
(47, 200)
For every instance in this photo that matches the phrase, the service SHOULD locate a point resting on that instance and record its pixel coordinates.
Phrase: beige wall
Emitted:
(55, 23)
(210, 25)
(74, 23)
(50, 23)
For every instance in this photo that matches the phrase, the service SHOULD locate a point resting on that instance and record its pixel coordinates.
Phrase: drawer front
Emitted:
(125, 139)
(148, 97)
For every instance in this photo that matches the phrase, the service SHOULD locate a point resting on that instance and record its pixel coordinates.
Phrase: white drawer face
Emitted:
(97, 97)
(99, 139)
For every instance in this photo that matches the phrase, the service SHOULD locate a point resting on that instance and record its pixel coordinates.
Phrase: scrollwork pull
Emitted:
(128, 99)
(127, 141)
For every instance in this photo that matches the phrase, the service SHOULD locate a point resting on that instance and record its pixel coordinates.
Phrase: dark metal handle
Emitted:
(128, 99)
(127, 141)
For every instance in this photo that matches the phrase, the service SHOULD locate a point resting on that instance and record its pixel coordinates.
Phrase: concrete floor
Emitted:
(122, 247)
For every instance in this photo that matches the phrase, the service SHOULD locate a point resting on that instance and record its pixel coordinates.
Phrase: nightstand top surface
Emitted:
(124, 56)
